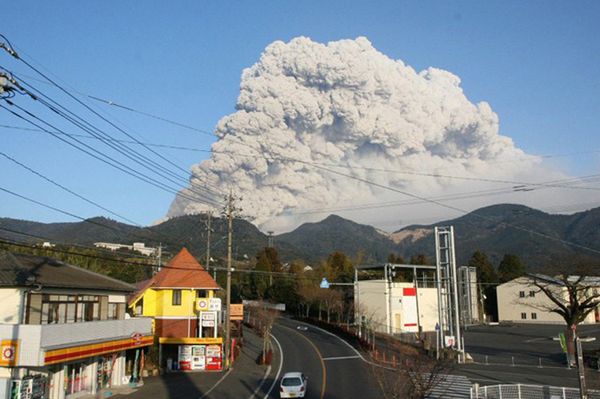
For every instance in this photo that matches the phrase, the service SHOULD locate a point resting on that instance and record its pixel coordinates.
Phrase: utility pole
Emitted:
(159, 258)
(228, 301)
(208, 231)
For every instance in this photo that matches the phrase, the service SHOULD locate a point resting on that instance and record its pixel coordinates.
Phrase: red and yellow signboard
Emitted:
(9, 352)
(84, 351)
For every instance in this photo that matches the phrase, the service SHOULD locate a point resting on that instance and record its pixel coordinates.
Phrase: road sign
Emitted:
(324, 283)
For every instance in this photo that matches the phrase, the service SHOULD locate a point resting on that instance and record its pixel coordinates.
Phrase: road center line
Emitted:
(318, 354)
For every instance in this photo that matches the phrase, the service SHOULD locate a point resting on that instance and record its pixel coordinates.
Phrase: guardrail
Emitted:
(523, 391)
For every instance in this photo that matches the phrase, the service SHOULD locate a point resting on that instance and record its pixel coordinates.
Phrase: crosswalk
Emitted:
(451, 386)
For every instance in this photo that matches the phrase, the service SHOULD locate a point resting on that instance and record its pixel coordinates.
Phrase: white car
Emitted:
(293, 385)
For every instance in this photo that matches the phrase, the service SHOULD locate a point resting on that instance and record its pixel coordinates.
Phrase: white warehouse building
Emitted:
(409, 307)
(519, 301)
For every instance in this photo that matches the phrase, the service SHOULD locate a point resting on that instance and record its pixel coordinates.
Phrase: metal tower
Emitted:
(447, 288)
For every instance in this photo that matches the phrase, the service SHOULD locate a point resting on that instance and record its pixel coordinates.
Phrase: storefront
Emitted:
(81, 370)
(193, 354)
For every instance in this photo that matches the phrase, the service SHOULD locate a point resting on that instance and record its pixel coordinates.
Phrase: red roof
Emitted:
(183, 271)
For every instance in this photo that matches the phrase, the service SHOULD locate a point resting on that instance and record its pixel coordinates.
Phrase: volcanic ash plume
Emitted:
(306, 109)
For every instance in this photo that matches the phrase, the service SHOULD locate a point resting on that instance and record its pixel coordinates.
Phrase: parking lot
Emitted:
(524, 344)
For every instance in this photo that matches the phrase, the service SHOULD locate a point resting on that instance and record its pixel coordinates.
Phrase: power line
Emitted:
(91, 151)
(67, 189)
(167, 146)
(123, 149)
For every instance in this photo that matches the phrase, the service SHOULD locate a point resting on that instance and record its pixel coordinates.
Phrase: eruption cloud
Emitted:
(305, 107)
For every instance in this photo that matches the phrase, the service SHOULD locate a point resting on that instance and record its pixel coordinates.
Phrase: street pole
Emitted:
(159, 258)
(581, 370)
(208, 215)
(228, 302)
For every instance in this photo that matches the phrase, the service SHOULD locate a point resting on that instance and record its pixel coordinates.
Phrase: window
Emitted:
(523, 316)
(534, 316)
(202, 293)
(113, 311)
(176, 298)
(521, 294)
(532, 293)
(69, 308)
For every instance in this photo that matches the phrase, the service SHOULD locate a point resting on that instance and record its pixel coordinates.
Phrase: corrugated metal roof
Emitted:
(21, 270)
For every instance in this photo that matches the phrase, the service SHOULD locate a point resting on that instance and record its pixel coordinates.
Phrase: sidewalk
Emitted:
(243, 380)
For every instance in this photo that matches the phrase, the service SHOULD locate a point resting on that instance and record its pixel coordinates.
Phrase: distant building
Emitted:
(181, 299)
(519, 301)
(63, 329)
(410, 307)
(137, 246)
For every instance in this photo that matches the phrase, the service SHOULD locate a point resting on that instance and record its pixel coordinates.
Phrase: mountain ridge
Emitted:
(496, 230)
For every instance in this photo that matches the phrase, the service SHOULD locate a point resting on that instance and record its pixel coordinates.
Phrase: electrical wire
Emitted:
(123, 149)
(91, 151)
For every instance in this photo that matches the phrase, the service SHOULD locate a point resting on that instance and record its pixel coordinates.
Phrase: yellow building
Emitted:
(181, 299)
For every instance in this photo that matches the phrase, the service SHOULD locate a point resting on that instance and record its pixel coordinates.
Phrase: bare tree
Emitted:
(308, 295)
(331, 300)
(571, 297)
(415, 377)
(264, 320)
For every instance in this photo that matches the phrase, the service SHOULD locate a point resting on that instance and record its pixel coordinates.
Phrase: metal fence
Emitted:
(522, 391)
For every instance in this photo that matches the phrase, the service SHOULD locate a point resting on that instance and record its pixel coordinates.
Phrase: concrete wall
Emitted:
(10, 298)
(370, 300)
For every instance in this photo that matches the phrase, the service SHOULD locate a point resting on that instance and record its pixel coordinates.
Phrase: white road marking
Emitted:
(280, 366)
(348, 345)
(267, 372)
(218, 382)
(341, 357)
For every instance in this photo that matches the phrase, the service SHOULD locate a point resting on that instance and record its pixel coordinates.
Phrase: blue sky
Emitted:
(537, 63)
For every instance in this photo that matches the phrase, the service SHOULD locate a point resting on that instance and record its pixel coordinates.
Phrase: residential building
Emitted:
(137, 246)
(181, 298)
(63, 329)
(519, 301)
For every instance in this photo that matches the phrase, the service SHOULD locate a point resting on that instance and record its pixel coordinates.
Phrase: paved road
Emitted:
(334, 370)
(497, 348)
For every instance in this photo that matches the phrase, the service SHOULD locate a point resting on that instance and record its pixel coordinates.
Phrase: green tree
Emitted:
(488, 280)
(338, 267)
(393, 258)
(485, 269)
(510, 267)
(419, 259)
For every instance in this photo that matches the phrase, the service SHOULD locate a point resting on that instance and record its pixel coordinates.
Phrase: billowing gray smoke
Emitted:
(346, 104)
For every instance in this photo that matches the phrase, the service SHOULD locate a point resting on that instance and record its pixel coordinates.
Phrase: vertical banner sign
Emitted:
(563, 342)
(409, 309)
(9, 352)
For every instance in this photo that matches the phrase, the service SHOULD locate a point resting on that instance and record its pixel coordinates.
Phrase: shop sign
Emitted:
(208, 319)
(214, 304)
(202, 304)
(9, 352)
(237, 311)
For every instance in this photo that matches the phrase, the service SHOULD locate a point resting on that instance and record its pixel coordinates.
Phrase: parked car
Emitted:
(293, 385)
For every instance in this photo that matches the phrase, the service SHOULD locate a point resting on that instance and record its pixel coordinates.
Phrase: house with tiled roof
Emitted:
(181, 298)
